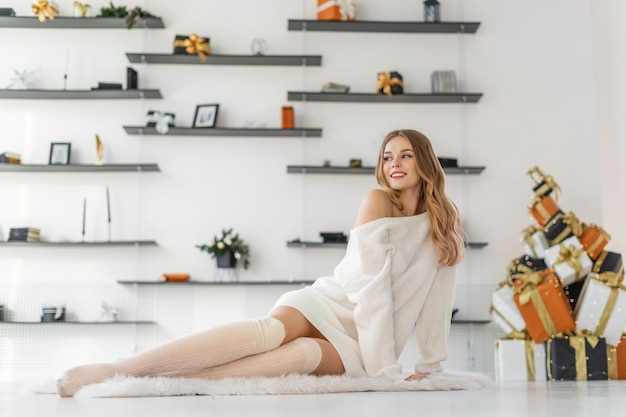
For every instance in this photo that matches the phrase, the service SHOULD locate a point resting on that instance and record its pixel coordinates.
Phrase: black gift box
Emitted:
(542, 189)
(572, 292)
(608, 262)
(556, 229)
(517, 265)
(394, 88)
(562, 360)
(181, 50)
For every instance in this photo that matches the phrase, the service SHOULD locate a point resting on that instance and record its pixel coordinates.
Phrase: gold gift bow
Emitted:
(604, 235)
(538, 172)
(44, 9)
(613, 281)
(580, 351)
(385, 82)
(515, 267)
(528, 292)
(569, 255)
(549, 184)
(572, 225)
(195, 45)
(527, 236)
(82, 7)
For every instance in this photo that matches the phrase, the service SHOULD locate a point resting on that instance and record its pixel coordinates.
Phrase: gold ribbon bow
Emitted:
(385, 82)
(527, 237)
(613, 281)
(82, 7)
(611, 361)
(195, 45)
(536, 175)
(44, 9)
(528, 292)
(569, 255)
(573, 224)
(549, 184)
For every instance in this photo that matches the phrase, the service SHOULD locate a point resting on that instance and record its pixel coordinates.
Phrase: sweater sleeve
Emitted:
(365, 275)
(433, 322)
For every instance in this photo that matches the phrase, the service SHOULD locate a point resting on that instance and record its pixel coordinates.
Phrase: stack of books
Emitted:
(10, 158)
(330, 87)
(24, 234)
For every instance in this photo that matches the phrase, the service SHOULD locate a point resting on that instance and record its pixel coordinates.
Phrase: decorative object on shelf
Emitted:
(132, 17)
(174, 277)
(287, 117)
(448, 162)
(131, 79)
(22, 80)
(206, 115)
(259, 46)
(327, 163)
(1, 312)
(60, 153)
(24, 234)
(81, 9)
(44, 9)
(10, 158)
(52, 314)
(336, 10)
(107, 86)
(432, 11)
(331, 87)
(108, 313)
(99, 150)
(161, 121)
(227, 247)
(333, 237)
(356, 163)
(389, 83)
(443, 82)
(192, 45)
(7, 11)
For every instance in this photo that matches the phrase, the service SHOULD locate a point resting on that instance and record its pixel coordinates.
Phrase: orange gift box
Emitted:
(621, 359)
(542, 210)
(593, 240)
(335, 10)
(543, 305)
(175, 277)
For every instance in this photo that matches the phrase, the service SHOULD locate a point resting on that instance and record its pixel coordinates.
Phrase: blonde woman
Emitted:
(398, 274)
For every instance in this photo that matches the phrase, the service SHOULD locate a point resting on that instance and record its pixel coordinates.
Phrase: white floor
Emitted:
(556, 399)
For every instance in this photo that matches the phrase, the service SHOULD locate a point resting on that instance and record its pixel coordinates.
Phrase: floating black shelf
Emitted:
(99, 323)
(212, 59)
(61, 22)
(383, 98)
(81, 244)
(378, 26)
(79, 168)
(304, 244)
(470, 321)
(215, 283)
(309, 169)
(79, 94)
(225, 131)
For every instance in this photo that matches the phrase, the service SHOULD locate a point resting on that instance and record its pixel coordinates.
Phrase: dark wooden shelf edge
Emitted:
(65, 22)
(382, 26)
(216, 283)
(470, 321)
(84, 244)
(79, 94)
(213, 59)
(310, 169)
(226, 131)
(428, 98)
(79, 168)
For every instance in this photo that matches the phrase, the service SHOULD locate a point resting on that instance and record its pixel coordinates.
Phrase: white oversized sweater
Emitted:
(388, 283)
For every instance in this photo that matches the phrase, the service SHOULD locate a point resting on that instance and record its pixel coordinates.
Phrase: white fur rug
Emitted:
(120, 386)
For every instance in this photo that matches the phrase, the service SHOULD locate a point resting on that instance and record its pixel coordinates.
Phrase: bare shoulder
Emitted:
(375, 205)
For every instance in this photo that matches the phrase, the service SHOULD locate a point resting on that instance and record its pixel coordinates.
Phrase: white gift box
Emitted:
(592, 303)
(505, 312)
(563, 270)
(540, 243)
(511, 360)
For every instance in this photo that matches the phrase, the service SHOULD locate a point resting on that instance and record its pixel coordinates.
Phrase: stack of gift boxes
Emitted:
(563, 304)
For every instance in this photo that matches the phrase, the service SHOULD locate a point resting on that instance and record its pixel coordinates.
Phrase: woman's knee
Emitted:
(331, 363)
(296, 325)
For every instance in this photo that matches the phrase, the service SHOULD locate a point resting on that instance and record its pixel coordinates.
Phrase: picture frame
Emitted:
(206, 115)
(60, 153)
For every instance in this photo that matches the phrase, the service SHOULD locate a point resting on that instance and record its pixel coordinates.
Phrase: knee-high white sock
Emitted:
(191, 353)
(302, 355)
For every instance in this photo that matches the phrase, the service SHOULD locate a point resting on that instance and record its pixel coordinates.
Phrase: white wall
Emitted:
(533, 60)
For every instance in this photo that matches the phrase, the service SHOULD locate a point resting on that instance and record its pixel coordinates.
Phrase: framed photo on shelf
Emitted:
(206, 115)
(60, 153)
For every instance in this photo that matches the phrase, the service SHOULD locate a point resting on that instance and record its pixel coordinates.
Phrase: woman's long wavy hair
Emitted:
(445, 220)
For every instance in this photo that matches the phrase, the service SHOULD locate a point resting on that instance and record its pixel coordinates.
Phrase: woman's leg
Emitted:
(198, 351)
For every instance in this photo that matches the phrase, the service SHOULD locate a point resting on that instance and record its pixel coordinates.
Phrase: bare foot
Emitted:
(76, 378)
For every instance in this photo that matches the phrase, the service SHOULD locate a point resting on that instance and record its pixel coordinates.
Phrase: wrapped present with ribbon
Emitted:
(534, 241)
(616, 358)
(336, 10)
(523, 264)
(542, 303)
(44, 9)
(562, 226)
(594, 239)
(504, 311)
(608, 262)
(519, 359)
(569, 260)
(390, 83)
(192, 45)
(577, 358)
(602, 307)
(543, 209)
(544, 184)
(572, 292)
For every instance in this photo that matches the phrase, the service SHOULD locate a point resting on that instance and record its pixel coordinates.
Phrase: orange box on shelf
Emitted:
(542, 210)
(175, 277)
(594, 239)
(335, 10)
(543, 305)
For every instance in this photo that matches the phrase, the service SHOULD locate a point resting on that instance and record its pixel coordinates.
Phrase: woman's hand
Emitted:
(415, 377)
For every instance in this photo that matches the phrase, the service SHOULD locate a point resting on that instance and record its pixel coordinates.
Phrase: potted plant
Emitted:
(228, 250)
